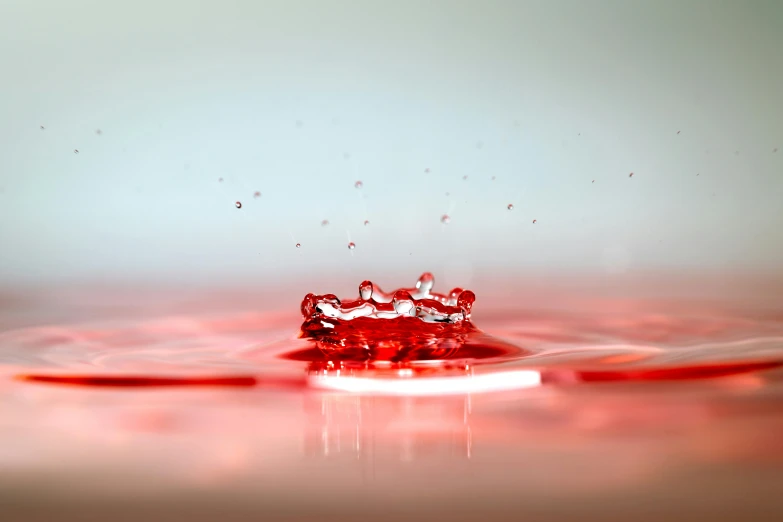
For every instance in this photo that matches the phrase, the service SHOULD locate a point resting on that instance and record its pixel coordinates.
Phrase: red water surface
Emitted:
(213, 407)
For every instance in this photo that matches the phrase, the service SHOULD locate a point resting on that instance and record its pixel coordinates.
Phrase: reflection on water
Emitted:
(408, 428)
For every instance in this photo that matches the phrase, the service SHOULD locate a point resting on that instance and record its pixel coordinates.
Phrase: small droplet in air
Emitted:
(98, 132)
(464, 178)
(346, 155)
(445, 219)
(366, 222)
(238, 204)
(593, 181)
(220, 180)
(256, 194)
(365, 290)
(630, 175)
(534, 221)
(479, 144)
(43, 128)
(773, 150)
(351, 245)
(493, 178)
(510, 206)
(447, 194)
(678, 132)
(298, 245)
(76, 151)
(358, 184)
(325, 222)
(299, 123)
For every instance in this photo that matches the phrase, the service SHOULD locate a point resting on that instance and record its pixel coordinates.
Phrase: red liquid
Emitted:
(208, 398)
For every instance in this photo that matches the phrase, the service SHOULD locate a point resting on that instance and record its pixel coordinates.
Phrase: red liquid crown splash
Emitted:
(410, 324)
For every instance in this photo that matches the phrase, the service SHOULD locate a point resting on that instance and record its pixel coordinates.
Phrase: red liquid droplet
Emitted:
(510, 206)
(404, 327)
(298, 245)
(630, 175)
(256, 194)
(366, 222)
(445, 219)
(325, 222)
(358, 184)
(534, 220)
(238, 204)
(351, 245)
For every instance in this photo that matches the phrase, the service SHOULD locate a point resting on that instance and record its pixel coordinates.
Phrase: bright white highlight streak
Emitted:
(490, 382)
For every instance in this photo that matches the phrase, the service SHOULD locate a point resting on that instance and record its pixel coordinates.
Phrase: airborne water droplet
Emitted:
(358, 184)
(534, 221)
(630, 175)
(298, 245)
(464, 178)
(238, 204)
(220, 180)
(256, 194)
(351, 245)
(510, 206)
(366, 222)
(445, 219)
(76, 151)
(325, 222)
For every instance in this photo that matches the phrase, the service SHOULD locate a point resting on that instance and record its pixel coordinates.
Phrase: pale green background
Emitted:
(556, 93)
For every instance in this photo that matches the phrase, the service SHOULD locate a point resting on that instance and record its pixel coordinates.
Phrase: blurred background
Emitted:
(455, 108)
